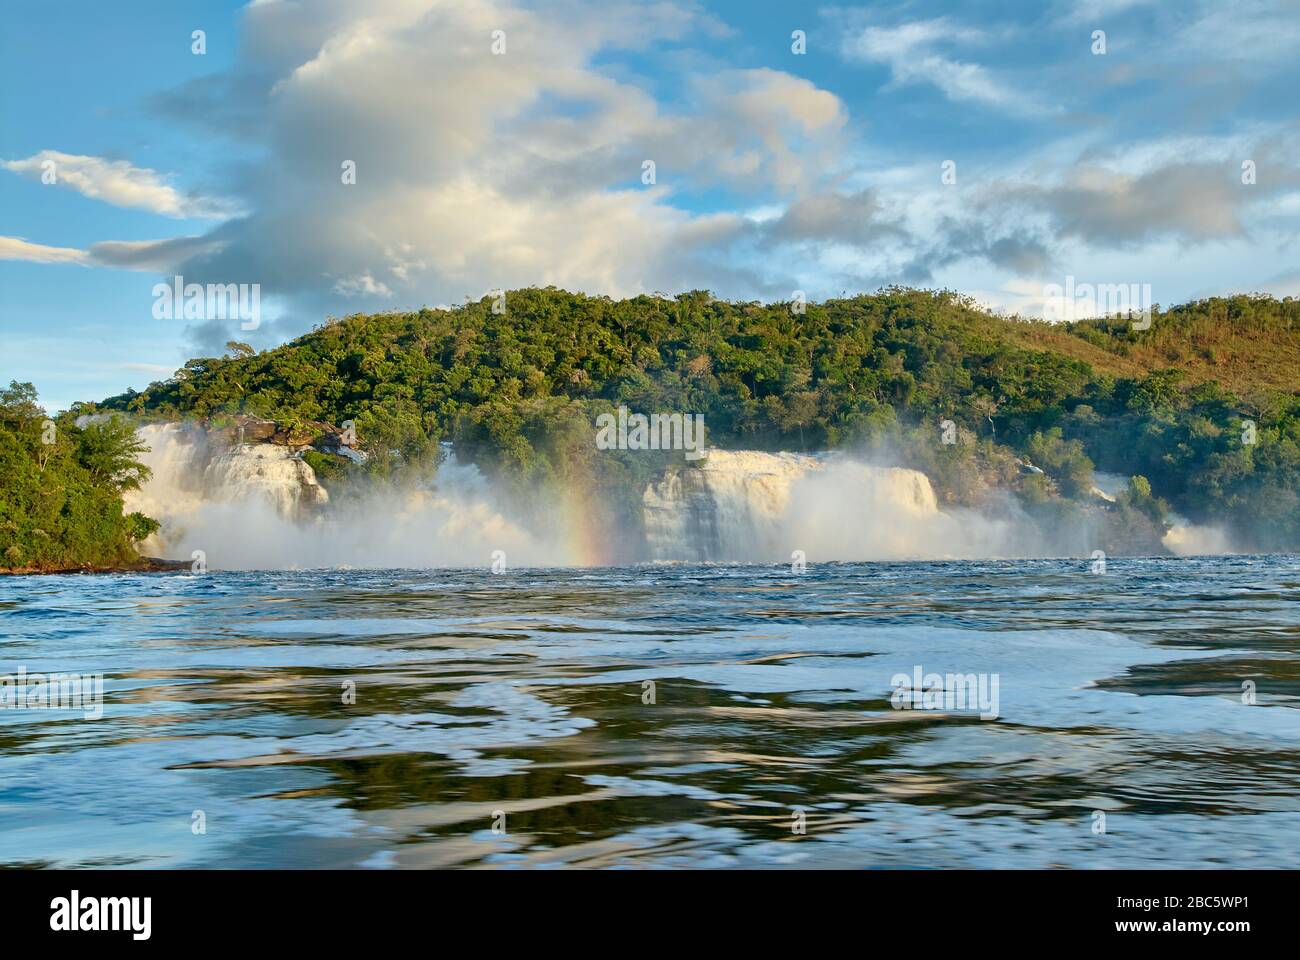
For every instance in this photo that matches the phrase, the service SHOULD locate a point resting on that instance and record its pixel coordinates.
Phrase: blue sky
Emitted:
(774, 171)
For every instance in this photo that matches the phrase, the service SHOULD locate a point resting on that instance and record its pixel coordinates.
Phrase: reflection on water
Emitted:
(521, 699)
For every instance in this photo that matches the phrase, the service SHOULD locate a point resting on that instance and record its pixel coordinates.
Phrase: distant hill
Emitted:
(1247, 344)
(1204, 404)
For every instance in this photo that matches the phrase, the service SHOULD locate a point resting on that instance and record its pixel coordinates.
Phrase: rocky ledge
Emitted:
(314, 433)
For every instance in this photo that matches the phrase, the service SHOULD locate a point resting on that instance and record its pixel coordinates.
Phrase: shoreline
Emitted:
(143, 565)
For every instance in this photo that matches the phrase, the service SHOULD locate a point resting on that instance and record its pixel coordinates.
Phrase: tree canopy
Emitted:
(518, 390)
(61, 487)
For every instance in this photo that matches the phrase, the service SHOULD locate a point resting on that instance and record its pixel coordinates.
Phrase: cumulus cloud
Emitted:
(1195, 200)
(365, 283)
(117, 182)
(759, 128)
(476, 171)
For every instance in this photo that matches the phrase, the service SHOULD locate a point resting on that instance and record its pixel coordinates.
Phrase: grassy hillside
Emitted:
(518, 391)
(1249, 345)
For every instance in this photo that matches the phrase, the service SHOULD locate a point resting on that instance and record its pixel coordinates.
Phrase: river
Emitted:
(661, 715)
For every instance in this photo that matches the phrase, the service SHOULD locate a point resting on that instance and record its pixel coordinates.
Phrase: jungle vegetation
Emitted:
(61, 488)
(1202, 408)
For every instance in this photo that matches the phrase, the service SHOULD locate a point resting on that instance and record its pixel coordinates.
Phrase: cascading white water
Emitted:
(190, 472)
(259, 505)
(1183, 538)
(751, 506)
(270, 472)
(728, 507)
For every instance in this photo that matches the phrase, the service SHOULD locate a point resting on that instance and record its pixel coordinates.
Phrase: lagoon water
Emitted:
(503, 720)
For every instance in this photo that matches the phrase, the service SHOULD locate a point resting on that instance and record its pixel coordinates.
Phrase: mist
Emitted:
(256, 506)
(259, 506)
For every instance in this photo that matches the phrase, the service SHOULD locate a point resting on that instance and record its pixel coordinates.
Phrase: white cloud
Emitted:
(476, 171)
(16, 248)
(119, 183)
(362, 284)
(1094, 11)
(911, 50)
(1252, 32)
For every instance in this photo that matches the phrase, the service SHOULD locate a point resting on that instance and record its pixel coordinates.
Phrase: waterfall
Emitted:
(727, 507)
(272, 473)
(760, 507)
(198, 483)
(259, 506)
(190, 470)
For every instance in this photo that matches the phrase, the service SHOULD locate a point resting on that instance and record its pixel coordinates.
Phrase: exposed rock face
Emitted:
(241, 430)
(247, 429)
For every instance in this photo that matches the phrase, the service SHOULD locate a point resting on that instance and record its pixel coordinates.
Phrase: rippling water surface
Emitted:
(520, 700)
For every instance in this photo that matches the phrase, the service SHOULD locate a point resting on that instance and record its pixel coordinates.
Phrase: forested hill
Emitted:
(519, 389)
